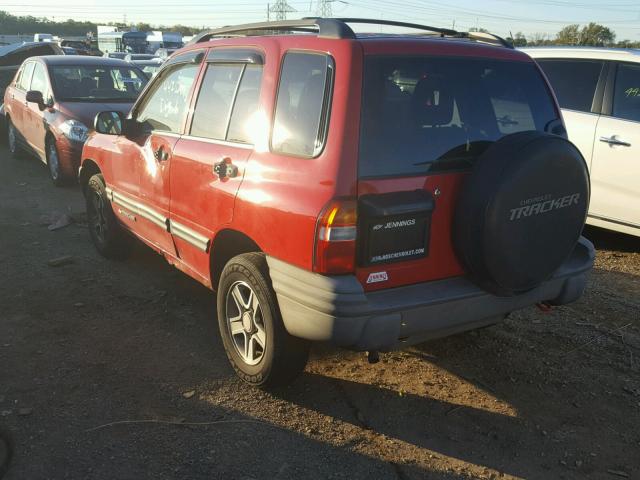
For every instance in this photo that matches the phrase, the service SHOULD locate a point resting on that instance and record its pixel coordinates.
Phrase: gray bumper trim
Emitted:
(336, 308)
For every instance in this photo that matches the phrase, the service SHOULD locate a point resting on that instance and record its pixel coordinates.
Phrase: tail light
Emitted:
(335, 248)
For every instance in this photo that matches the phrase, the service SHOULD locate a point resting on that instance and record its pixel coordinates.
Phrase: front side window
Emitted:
(302, 105)
(626, 96)
(39, 80)
(428, 114)
(574, 81)
(25, 78)
(166, 103)
(99, 83)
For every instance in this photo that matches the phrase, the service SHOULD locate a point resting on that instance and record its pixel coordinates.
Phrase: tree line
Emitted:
(25, 25)
(592, 34)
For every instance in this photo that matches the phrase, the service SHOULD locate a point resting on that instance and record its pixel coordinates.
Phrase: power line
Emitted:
(281, 8)
(323, 8)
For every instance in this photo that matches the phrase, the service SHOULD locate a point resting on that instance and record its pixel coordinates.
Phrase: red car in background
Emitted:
(51, 103)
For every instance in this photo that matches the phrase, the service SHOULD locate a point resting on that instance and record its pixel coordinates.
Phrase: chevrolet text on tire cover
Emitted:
(521, 211)
(363, 190)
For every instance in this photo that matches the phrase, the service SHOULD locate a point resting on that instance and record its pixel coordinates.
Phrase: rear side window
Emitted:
(626, 96)
(246, 105)
(215, 100)
(302, 107)
(428, 114)
(574, 81)
(228, 99)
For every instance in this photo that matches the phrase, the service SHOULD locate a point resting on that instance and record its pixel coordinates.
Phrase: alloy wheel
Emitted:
(11, 137)
(245, 323)
(53, 161)
(97, 216)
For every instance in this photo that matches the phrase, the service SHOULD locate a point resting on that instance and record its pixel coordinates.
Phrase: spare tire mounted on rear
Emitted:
(521, 211)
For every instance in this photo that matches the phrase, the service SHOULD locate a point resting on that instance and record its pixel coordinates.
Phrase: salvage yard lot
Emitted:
(90, 343)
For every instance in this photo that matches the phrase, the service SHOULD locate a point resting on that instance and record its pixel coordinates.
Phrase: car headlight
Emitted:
(75, 130)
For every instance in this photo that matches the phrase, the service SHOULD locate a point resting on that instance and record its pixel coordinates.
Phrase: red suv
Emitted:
(373, 191)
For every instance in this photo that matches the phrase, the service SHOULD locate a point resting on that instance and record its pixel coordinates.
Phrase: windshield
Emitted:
(426, 114)
(97, 83)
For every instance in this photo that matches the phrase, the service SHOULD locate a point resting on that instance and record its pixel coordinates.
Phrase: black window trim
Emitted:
(325, 113)
(234, 54)
(609, 91)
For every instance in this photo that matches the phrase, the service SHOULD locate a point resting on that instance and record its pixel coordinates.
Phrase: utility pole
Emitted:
(323, 9)
(281, 8)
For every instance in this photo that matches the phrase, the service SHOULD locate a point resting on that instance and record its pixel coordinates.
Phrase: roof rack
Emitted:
(337, 28)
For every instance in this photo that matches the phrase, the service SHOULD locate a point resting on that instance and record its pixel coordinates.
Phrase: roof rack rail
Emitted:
(486, 37)
(337, 28)
(324, 27)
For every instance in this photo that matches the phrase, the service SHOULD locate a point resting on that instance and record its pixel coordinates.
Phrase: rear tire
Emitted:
(108, 236)
(260, 350)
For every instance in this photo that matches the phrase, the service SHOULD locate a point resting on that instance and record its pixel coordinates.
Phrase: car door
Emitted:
(141, 171)
(34, 119)
(578, 85)
(615, 172)
(18, 98)
(209, 161)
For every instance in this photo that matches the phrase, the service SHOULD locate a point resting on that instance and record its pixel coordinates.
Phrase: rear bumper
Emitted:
(336, 308)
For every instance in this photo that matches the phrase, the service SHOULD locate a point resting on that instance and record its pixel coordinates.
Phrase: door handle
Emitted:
(225, 169)
(161, 154)
(614, 140)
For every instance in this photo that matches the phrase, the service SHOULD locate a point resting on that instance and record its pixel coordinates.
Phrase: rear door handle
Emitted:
(614, 140)
(161, 154)
(225, 169)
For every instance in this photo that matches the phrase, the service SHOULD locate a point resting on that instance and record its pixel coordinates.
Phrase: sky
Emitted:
(498, 16)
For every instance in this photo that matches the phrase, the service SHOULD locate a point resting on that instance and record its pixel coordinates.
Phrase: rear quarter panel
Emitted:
(281, 196)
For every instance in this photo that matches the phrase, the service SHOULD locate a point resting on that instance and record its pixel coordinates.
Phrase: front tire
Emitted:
(107, 234)
(12, 140)
(260, 350)
(53, 163)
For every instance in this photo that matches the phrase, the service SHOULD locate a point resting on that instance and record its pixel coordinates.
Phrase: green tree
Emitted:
(518, 40)
(596, 35)
(569, 35)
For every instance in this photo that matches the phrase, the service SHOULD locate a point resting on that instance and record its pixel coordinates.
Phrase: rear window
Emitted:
(427, 114)
(100, 83)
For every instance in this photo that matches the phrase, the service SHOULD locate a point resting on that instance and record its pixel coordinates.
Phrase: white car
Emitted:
(599, 92)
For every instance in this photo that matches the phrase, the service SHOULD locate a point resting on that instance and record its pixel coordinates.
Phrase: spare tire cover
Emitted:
(521, 211)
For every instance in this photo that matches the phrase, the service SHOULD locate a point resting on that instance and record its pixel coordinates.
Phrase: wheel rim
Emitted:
(245, 323)
(98, 218)
(12, 138)
(53, 161)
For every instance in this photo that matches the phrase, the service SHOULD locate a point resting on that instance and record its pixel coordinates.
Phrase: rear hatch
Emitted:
(424, 121)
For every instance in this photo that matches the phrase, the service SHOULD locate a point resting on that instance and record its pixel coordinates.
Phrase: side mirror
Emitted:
(34, 96)
(109, 123)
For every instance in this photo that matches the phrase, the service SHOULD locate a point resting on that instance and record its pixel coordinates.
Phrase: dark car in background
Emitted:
(12, 56)
(51, 102)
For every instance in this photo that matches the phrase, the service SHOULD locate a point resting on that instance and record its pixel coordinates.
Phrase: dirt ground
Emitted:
(115, 370)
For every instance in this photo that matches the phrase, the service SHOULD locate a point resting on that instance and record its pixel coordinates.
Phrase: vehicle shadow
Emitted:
(610, 240)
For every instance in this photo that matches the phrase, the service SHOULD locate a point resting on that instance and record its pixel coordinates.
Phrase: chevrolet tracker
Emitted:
(373, 191)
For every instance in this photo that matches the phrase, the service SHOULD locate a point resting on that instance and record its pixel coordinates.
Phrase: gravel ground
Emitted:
(115, 370)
